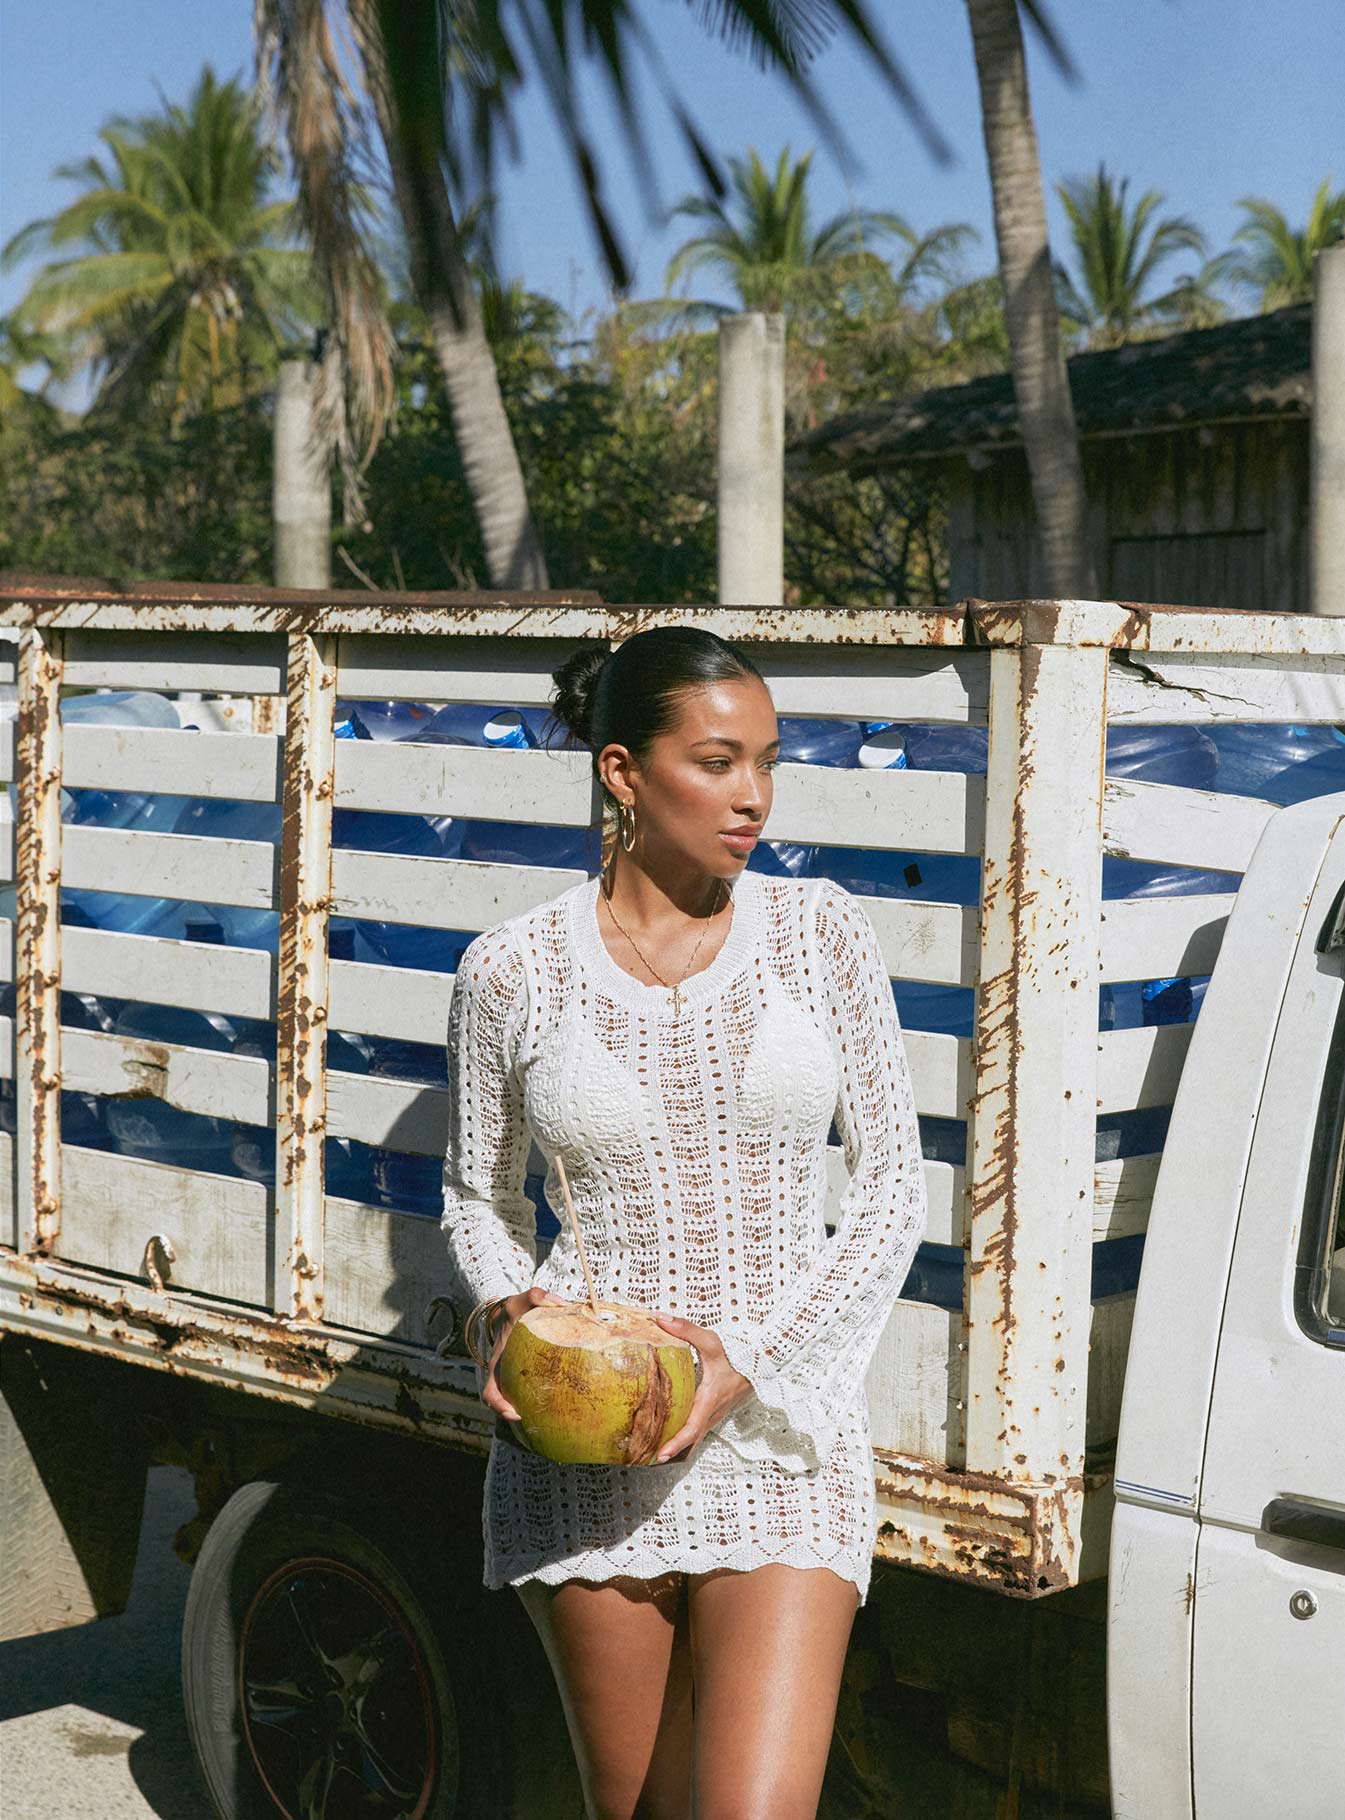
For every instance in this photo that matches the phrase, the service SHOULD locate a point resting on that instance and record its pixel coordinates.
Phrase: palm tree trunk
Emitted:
(494, 475)
(1040, 382)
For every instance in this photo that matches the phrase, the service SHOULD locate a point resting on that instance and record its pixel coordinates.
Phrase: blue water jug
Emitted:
(381, 720)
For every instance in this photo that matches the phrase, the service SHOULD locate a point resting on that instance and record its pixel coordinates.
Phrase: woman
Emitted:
(684, 1032)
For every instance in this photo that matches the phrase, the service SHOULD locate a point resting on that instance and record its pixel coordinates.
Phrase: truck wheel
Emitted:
(324, 1676)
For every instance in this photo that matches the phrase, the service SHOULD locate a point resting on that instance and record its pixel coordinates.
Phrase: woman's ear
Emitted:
(614, 768)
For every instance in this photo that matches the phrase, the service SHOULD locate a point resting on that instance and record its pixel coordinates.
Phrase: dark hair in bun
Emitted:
(628, 694)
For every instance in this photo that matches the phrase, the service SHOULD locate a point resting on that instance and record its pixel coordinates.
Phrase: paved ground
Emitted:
(91, 1724)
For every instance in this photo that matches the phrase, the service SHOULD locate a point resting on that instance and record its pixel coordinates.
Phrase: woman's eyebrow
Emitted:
(722, 739)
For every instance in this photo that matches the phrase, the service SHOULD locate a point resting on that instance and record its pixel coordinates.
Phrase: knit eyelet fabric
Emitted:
(695, 1151)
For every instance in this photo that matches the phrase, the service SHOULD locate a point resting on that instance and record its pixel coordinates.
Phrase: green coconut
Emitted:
(604, 1391)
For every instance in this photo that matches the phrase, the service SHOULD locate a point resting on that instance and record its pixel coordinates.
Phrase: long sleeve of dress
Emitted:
(808, 1358)
(491, 1225)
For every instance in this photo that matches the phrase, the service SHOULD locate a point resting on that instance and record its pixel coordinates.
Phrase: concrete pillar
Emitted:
(1327, 523)
(752, 460)
(301, 488)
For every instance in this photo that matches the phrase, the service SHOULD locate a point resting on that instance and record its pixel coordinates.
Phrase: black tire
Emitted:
(361, 1665)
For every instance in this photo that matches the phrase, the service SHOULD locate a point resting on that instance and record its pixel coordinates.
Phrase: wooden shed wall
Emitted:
(1213, 515)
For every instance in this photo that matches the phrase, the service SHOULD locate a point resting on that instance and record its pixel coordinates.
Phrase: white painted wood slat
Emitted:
(172, 865)
(1122, 1192)
(845, 682)
(223, 663)
(914, 811)
(1162, 937)
(1141, 1067)
(1171, 826)
(914, 1384)
(245, 766)
(1198, 688)
(214, 1084)
(220, 1229)
(556, 788)
(382, 1268)
(239, 982)
(440, 893)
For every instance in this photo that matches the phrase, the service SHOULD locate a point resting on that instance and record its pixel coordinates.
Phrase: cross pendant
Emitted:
(677, 1000)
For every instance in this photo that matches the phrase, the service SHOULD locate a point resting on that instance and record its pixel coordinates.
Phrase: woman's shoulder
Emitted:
(813, 896)
(497, 958)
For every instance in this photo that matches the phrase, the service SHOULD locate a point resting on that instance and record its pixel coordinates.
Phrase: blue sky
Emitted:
(1206, 100)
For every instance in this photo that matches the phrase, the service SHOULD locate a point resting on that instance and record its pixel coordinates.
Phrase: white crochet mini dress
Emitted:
(695, 1149)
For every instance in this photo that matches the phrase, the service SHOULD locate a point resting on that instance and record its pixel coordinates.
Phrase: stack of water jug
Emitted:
(1278, 763)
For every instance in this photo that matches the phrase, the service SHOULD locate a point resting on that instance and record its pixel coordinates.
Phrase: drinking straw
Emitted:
(574, 1228)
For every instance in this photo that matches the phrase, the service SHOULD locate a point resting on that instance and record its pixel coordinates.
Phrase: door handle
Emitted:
(1303, 1521)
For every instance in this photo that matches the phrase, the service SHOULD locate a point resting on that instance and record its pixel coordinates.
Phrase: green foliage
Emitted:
(1274, 262)
(136, 499)
(1118, 250)
(173, 275)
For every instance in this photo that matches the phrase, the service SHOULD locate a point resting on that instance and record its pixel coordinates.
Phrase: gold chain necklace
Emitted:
(677, 985)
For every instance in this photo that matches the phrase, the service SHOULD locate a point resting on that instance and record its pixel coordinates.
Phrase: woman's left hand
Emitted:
(720, 1390)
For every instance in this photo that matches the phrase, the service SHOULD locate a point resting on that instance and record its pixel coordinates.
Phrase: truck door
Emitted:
(1268, 1671)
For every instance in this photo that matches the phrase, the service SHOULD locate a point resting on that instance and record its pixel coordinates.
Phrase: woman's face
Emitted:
(709, 774)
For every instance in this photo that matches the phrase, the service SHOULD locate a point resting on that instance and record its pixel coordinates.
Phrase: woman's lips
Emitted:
(740, 843)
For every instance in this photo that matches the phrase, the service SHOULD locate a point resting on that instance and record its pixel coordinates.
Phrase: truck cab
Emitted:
(1226, 1602)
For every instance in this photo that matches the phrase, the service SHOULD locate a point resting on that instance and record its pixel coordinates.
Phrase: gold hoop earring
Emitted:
(625, 810)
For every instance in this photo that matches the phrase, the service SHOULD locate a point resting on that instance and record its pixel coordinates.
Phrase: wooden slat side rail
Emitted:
(1199, 688)
(222, 663)
(220, 1229)
(556, 788)
(38, 936)
(440, 893)
(204, 1081)
(916, 811)
(840, 681)
(209, 871)
(1122, 1193)
(1162, 937)
(1140, 1067)
(1171, 826)
(240, 982)
(242, 766)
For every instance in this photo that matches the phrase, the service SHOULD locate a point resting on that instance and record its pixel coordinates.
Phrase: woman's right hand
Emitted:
(514, 1306)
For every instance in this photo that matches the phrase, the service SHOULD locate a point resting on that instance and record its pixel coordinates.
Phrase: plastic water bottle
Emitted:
(810, 740)
(382, 720)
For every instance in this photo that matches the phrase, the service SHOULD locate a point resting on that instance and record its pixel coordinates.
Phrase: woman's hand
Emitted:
(720, 1390)
(514, 1306)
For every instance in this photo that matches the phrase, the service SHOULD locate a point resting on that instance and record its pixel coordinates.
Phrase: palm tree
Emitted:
(1276, 263)
(173, 273)
(442, 80)
(761, 239)
(1119, 249)
(1040, 383)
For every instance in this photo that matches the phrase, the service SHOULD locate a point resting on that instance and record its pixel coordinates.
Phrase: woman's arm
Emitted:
(491, 1225)
(807, 1360)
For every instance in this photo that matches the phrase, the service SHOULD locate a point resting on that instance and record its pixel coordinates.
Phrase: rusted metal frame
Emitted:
(379, 1382)
(1033, 1109)
(38, 960)
(572, 616)
(307, 790)
(978, 1527)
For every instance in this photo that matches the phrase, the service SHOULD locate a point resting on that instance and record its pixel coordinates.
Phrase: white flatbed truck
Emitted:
(1111, 1572)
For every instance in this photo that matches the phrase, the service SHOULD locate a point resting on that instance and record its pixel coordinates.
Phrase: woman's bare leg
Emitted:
(768, 1648)
(620, 1653)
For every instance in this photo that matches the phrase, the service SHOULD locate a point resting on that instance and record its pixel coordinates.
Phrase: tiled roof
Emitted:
(1259, 366)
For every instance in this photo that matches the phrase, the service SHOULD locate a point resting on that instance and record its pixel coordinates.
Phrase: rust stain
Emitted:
(37, 971)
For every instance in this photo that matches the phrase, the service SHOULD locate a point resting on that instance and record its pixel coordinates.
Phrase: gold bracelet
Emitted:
(485, 1314)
